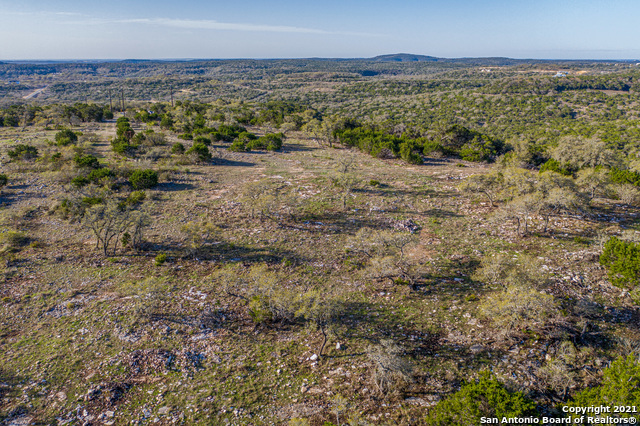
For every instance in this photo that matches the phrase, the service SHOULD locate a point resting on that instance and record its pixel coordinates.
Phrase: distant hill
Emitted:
(405, 57)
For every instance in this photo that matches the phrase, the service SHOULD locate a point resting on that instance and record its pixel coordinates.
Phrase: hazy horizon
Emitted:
(74, 30)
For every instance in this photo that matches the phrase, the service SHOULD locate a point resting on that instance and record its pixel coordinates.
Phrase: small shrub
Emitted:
(202, 139)
(238, 146)
(160, 259)
(23, 152)
(177, 148)
(97, 175)
(143, 179)
(374, 182)
(155, 139)
(518, 307)
(622, 260)
(92, 201)
(200, 151)
(392, 371)
(123, 147)
(3, 180)
(88, 161)
(136, 197)
(259, 310)
(407, 154)
(80, 181)
(65, 137)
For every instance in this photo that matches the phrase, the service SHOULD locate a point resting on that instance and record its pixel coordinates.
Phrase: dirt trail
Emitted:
(34, 93)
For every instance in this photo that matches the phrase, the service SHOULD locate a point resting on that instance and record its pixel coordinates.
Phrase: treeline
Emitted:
(455, 141)
(542, 86)
(26, 115)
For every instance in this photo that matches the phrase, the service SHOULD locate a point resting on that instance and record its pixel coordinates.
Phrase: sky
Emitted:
(181, 29)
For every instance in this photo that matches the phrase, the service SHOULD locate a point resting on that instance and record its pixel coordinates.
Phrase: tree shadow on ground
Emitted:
(173, 187)
(296, 147)
(9, 382)
(232, 163)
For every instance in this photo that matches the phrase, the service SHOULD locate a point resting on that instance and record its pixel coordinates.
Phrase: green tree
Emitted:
(620, 387)
(486, 397)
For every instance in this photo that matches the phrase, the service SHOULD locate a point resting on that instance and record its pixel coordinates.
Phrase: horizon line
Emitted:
(59, 60)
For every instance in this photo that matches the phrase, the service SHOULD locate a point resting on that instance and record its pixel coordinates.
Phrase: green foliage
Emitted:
(135, 198)
(92, 201)
(202, 139)
(238, 146)
(123, 147)
(620, 387)
(23, 152)
(80, 181)
(98, 175)
(3, 180)
(86, 112)
(554, 166)
(455, 141)
(177, 148)
(143, 179)
(124, 131)
(160, 259)
(65, 137)
(481, 148)
(575, 153)
(622, 260)
(227, 133)
(200, 151)
(624, 176)
(88, 161)
(270, 142)
(486, 397)
(407, 153)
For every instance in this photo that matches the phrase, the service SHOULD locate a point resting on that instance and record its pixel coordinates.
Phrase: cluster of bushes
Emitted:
(247, 141)
(91, 171)
(87, 112)
(127, 140)
(199, 151)
(23, 152)
(224, 133)
(457, 141)
(486, 397)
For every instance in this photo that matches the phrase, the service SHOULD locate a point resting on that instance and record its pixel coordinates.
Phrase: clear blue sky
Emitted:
(118, 29)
